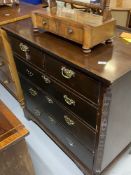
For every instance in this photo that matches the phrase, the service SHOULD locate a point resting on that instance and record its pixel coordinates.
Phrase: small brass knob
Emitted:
(44, 22)
(69, 30)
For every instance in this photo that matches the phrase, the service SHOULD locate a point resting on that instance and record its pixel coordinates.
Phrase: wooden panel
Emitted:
(12, 68)
(121, 17)
(11, 129)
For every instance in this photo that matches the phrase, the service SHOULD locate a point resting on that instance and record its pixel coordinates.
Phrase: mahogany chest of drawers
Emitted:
(81, 101)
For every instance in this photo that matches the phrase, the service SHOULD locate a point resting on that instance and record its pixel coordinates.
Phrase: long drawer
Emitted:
(73, 78)
(38, 102)
(71, 101)
(27, 52)
(66, 74)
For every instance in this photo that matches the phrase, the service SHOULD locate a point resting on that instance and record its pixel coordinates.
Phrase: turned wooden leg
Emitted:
(35, 29)
(87, 41)
(109, 41)
(86, 50)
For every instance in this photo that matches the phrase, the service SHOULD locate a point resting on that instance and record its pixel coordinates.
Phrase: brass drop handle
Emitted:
(69, 30)
(46, 79)
(1, 63)
(6, 82)
(33, 92)
(44, 22)
(67, 73)
(69, 121)
(69, 101)
(23, 47)
(29, 73)
(37, 112)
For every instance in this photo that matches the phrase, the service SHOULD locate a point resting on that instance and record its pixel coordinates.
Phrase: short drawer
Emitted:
(31, 73)
(73, 78)
(71, 101)
(38, 102)
(42, 22)
(27, 52)
(71, 32)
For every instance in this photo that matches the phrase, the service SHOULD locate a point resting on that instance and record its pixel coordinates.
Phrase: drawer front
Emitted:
(68, 99)
(53, 25)
(72, 102)
(40, 79)
(27, 52)
(72, 78)
(42, 22)
(55, 114)
(71, 32)
(67, 140)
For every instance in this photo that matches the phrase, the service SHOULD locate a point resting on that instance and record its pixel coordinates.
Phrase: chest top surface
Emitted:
(106, 62)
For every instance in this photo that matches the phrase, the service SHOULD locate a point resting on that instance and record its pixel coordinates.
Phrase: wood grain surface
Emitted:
(11, 14)
(16, 160)
(107, 62)
(11, 129)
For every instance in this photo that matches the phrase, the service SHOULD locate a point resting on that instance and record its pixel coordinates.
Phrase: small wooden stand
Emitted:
(88, 29)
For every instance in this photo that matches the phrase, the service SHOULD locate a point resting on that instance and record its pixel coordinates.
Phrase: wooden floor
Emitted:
(14, 156)
(15, 160)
